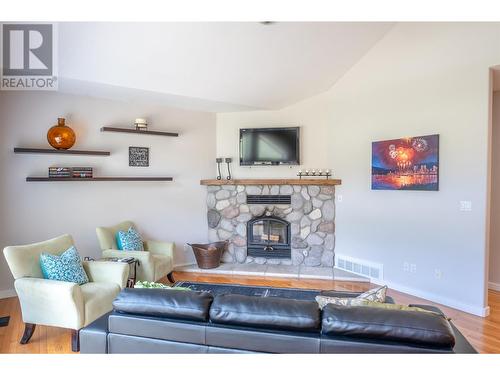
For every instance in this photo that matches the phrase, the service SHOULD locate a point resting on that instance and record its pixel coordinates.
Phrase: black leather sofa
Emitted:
(173, 321)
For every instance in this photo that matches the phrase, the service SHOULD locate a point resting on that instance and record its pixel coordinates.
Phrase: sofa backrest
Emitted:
(106, 235)
(234, 313)
(164, 303)
(24, 260)
(269, 312)
(410, 327)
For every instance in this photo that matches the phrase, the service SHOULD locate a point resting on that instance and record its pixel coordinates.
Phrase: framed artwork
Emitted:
(138, 157)
(406, 164)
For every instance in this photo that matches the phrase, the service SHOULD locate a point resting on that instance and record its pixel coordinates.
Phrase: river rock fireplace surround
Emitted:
(279, 221)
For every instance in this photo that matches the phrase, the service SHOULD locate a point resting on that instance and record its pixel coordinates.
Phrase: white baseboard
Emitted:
(184, 264)
(475, 310)
(7, 293)
(494, 286)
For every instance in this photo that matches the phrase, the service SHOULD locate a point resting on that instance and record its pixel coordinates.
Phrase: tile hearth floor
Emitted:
(297, 272)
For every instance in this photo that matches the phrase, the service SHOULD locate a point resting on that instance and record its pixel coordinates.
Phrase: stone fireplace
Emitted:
(288, 222)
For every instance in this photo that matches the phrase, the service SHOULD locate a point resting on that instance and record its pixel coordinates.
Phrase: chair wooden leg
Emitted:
(170, 277)
(4, 321)
(29, 329)
(75, 340)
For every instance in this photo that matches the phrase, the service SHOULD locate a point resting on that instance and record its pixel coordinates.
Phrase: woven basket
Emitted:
(209, 255)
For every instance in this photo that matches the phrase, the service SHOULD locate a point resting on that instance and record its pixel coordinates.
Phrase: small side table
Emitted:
(132, 262)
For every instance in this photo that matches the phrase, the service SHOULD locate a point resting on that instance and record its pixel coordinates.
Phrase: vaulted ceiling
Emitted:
(215, 66)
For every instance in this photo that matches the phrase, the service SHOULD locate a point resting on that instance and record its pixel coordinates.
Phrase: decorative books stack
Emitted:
(82, 172)
(60, 172)
(68, 172)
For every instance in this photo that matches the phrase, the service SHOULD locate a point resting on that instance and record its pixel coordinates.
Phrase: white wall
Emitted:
(309, 115)
(419, 79)
(171, 211)
(494, 276)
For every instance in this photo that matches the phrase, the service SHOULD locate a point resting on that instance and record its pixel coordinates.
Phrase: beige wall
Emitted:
(419, 79)
(494, 276)
(171, 211)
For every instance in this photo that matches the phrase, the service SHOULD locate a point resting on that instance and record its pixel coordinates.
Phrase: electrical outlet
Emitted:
(438, 274)
(406, 267)
(413, 268)
(465, 206)
(339, 198)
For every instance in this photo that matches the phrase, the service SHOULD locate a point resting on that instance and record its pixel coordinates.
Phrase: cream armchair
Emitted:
(156, 262)
(60, 303)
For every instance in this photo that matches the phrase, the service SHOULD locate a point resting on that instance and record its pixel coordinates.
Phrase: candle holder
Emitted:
(315, 173)
(218, 161)
(141, 124)
(228, 162)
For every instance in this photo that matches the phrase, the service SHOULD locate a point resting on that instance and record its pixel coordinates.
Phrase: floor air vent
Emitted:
(360, 266)
(269, 199)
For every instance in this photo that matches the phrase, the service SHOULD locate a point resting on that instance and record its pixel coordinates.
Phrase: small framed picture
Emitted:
(138, 157)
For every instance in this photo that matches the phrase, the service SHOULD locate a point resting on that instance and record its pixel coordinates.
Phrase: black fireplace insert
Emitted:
(268, 237)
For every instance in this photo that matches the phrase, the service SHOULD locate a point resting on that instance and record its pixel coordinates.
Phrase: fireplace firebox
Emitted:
(268, 237)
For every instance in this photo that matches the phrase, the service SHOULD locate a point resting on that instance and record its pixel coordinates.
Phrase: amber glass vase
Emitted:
(61, 136)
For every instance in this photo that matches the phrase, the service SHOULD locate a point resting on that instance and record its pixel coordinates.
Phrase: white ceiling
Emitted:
(211, 66)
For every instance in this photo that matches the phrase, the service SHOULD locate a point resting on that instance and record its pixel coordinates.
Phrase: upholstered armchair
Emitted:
(156, 262)
(60, 303)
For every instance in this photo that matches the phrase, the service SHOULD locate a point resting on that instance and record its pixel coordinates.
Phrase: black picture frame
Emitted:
(138, 156)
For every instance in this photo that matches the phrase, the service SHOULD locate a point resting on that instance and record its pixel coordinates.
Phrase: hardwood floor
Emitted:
(483, 333)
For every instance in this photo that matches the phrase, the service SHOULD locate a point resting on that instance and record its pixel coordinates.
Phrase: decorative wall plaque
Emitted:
(138, 157)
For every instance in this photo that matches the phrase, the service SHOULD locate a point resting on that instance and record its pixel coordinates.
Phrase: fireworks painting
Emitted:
(406, 164)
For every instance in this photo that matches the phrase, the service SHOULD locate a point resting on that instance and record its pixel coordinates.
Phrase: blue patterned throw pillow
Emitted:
(129, 240)
(65, 267)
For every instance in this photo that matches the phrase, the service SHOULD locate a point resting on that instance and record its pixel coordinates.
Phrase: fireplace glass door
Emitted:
(269, 237)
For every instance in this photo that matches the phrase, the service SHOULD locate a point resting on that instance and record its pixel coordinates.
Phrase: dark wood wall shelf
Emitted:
(48, 179)
(24, 150)
(134, 131)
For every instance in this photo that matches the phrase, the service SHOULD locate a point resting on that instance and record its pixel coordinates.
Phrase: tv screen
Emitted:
(269, 146)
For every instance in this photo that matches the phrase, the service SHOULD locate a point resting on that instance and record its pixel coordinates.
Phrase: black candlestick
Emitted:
(228, 161)
(219, 161)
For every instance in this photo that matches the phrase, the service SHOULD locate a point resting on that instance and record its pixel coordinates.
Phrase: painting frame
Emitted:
(409, 163)
(138, 156)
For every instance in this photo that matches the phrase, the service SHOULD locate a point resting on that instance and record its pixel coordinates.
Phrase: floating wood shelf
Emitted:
(293, 181)
(65, 179)
(135, 131)
(24, 150)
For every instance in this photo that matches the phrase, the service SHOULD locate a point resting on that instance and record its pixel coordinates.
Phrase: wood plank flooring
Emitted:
(483, 333)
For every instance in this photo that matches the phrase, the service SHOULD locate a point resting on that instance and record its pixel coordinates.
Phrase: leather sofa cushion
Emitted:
(269, 312)
(413, 327)
(174, 304)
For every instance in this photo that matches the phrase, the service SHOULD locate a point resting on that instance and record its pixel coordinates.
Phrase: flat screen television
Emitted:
(269, 146)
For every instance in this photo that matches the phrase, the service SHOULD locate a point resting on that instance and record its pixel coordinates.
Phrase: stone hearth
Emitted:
(263, 270)
(311, 214)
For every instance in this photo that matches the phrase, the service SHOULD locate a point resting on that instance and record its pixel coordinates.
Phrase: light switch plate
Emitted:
(465, 205)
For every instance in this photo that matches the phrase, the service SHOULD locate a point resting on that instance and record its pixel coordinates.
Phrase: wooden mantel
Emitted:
(280, 181)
